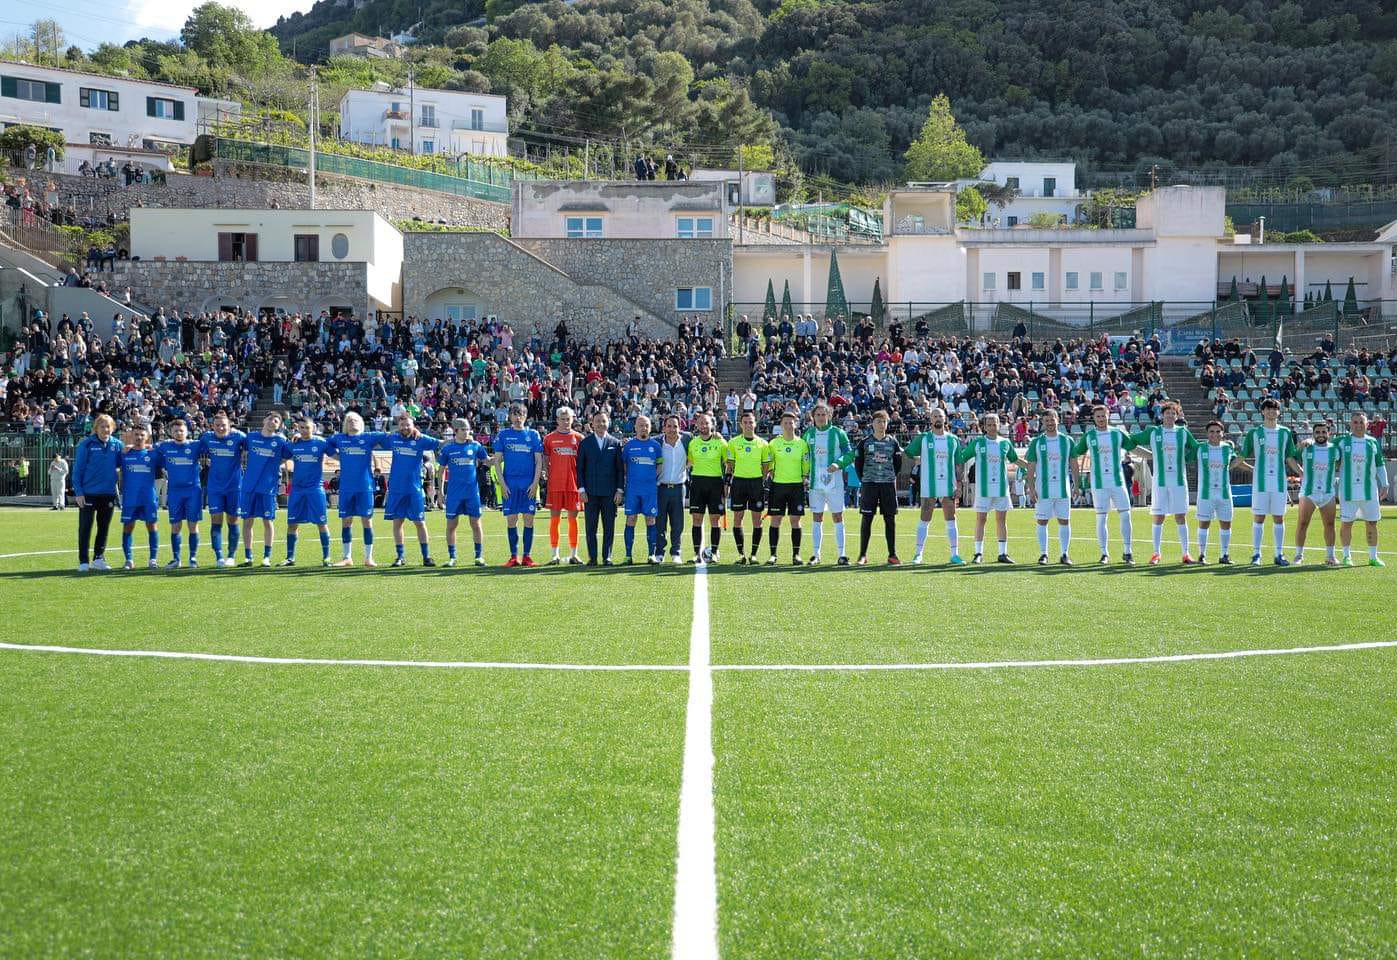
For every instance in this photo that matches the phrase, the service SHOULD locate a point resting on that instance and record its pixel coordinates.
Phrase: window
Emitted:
(36, 90)
(691, 227)
(339, 246)
(477, 118)
(1012, 221)
(1049, 186)
(1120, 279)
(98, 99)
(237, 247)
(1072, 280)
(163, 109)
(987, 282)
(429, 146)
(307, 247)
(100, 139)
(693, 298)
(1011, 182)
(585, 228)
(1096, 280)
(1037, 281)
(461, 311)
(396, 144)
(429, 115)
(1015, 280)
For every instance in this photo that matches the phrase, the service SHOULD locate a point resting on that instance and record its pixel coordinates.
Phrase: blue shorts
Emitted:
(306, 506)
(360, 503)
(185, 504)
(253, 505)
(519, 501)
(224, 501)
(139, 512)
(405, 506)
(642, 502)
(467, 504)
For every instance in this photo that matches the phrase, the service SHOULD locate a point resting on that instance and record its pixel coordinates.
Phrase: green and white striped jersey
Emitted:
(991, 464)
(1052, 457)
(1104, 449)
(1319, 463)
(938, 463)
(1360, 462)
(1271, 448)
(1215, 470)
(826, 446)
(1169, 447)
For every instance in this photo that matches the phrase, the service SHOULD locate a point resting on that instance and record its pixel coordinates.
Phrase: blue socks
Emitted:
(176, 545)
(217, 531)
(193, 547)
(399, 548)
(528, 540)
(126, 546)
(154, 540)
(425, 552)
(291, 546)
(514, 541)
(630, 540)
(451, 550)
(368, 537)
(652, 534)
(324, 545)
(477, 550)
(232, 539)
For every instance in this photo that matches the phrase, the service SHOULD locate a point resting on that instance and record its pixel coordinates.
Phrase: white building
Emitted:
(363, 45)
(426, 121)
(624, 210)
(1049, 188)
(101, 116)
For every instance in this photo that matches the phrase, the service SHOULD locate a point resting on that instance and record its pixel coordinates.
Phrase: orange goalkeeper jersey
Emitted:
(560, 458)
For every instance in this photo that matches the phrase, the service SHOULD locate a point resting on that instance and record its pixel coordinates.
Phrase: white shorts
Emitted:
(1350, 510)
(987, 504)
(1168, 500)
(1270, 504)
(1214, 508)
(1319, 499)
(1108, 497)
(1049, 507)
(829, 499)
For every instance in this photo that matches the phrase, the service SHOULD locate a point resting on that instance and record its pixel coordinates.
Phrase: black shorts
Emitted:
(748, 494)
(787, 500)
(878, 498)
(706, 495)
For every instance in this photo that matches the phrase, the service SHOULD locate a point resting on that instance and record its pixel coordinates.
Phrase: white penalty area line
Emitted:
(699, 664)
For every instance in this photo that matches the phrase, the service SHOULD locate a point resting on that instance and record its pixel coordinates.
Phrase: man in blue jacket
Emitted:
(94, 488)
(599, 475)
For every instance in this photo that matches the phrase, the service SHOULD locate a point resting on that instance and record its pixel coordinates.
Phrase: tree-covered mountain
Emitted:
(1301, 87)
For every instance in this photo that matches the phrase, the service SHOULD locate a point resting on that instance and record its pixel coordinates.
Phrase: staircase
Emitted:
(1182, 386)
(733, 373)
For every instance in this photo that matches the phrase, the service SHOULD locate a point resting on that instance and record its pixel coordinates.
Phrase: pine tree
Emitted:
(1351, 300)
(1328, 292)
(788, 311)
(836, 304)
(769, 310)
(876, 309)
(1233, 296)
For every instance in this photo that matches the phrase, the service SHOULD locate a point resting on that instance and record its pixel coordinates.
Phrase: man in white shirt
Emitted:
(674, 473)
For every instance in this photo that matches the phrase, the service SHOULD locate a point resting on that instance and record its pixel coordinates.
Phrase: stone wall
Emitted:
(208, 285)
(288, 192)
(521, 288)
(646, 272)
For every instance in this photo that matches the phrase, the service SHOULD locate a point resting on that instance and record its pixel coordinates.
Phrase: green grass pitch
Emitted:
(192, 808)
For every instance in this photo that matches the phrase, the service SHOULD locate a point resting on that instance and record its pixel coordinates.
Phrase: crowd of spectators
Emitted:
(34, 200)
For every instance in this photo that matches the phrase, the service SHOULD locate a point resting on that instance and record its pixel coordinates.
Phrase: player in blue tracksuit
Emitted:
(139, 465)
(463, 458)
(519, 452)
(266, 451)
(306, 503)
(223, 446)
(405, 500)
(355, 450)
(640, 456)
(184, 499)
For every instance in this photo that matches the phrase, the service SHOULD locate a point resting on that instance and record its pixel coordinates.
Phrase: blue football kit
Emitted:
(642, 490)
(183, 498)
(264, 458)
(405, 500)
(355, 452)
(306, 503)
(462, 459)
(225, 481)
(518, 449)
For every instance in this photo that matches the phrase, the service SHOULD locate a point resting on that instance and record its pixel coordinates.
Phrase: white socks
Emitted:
(1258, 530)
(1003, 548)
(1226, 541)
(817, 536)
(953, 535)
(839, 536)
(1042, 538)
(1064, 537)
(1101, 534)
(1278, 537)
(1126, 530)
(922, 526)
(1202, 541)
(1183, 538)
(1157, 533)
(979, 546)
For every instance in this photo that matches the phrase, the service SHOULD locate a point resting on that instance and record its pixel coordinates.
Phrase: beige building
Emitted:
(625, 210)
(363, 45)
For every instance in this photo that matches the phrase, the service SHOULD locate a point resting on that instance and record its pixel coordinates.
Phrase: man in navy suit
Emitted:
(599, 485)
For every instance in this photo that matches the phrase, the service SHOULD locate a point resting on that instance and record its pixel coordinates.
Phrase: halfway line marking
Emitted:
(696, 876)
(696, 666)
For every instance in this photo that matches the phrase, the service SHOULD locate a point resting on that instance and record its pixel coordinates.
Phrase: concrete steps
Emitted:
(1182, 386)
(733, 373)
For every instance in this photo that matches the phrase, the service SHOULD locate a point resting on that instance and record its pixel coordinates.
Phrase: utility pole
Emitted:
(741, 211)
(314, 130)
(411, 115)
(1154, 175)
(586, 159)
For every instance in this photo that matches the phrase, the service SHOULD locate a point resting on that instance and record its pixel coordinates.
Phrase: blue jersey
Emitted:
(642, 460)
(308, 463)
(264, 457)
(461, 459)
(138, 469)
(180, 462)
(357, 459)
(518, 447)
(225, 460)
(405, 475)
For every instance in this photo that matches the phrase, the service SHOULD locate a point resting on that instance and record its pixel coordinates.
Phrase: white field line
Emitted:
(696, 877)
(694, 667)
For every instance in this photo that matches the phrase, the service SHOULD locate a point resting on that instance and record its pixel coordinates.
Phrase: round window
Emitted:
(339, 246)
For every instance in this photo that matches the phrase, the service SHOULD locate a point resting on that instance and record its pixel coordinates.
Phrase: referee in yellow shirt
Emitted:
(707, 453)
(790, 471)
(749, 458)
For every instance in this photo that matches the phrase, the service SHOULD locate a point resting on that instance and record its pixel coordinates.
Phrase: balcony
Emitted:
(488, 126)
(429, 122)
(391, 114)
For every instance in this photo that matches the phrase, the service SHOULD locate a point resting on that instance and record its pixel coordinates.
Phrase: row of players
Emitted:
(777, 478)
